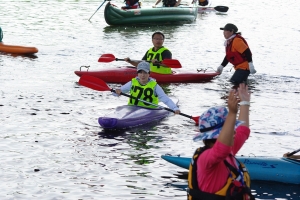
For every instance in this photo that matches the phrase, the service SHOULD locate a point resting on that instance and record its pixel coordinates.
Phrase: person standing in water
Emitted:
(237, 53)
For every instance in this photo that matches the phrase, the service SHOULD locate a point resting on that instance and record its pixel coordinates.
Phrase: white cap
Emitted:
(145, 66)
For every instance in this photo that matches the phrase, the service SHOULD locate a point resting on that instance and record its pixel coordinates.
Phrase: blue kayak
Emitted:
(282, 170)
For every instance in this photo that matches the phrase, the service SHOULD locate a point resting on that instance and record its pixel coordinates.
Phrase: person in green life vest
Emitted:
(146, 88)
(156, 54)
(1, 35)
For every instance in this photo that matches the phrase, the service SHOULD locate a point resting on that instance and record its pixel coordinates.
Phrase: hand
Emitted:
(243, 93)
(251, 68)
(176, 111)
(220, 69)
(232, 102)
(154, 61)
(118, 91)
(127, 59)
(154, 6)
(285, 155)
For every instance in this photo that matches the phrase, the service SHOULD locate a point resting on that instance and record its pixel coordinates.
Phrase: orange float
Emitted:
(13, 49)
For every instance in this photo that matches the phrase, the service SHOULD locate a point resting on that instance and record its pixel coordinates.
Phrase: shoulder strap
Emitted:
(231, 168)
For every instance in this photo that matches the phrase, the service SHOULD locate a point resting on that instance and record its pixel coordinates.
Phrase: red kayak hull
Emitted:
(124, 74)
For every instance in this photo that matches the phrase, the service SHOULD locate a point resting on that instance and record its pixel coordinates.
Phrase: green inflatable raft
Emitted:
(160, 15)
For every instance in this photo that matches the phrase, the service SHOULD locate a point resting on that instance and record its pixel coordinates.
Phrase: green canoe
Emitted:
(160, 15)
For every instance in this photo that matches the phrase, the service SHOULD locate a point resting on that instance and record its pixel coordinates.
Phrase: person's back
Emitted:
(131, 4)
(169, 3)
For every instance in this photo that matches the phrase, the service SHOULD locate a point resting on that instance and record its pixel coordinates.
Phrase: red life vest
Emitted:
(131, 4)
(236, 58)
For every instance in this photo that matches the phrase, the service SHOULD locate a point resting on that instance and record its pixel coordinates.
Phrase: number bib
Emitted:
(157, 55)
(143, 92)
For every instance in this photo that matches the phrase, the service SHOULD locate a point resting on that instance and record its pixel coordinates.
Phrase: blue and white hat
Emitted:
(211, 123)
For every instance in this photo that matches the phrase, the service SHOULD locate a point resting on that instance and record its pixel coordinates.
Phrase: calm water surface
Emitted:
(52, 146)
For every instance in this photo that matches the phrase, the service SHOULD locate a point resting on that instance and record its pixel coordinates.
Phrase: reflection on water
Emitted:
(133, 30)
(32, 56)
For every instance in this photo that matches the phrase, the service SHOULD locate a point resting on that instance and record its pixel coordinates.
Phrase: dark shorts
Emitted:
(239, 76)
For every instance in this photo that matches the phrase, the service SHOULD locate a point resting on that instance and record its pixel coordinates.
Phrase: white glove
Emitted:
(220, 69)
(251, 68)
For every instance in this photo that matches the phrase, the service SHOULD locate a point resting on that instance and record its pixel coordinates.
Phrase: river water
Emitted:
(52, 146)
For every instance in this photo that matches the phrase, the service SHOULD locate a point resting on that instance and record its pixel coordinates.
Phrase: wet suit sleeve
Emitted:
(225, 62)
(166, 54)
(247, 52)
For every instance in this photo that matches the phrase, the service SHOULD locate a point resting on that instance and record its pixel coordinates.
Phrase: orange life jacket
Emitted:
(236, 58)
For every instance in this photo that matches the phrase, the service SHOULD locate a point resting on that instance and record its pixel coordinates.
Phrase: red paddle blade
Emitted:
(196, 120)
(93, 83)
(107, 58)
(172, 63)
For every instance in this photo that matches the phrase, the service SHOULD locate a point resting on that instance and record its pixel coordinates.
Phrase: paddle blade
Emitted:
(172, 63)
(221, 8)
(107, 58)
(196, 120)
(93, 83)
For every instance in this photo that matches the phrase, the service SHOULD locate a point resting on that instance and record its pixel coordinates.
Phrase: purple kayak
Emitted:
(127, 116)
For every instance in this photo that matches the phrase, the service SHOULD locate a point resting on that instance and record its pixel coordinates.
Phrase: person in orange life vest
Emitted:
(168, 3)
(146, 88)
(238, 54)
(223, 136)
(155, 54)
(292, 156)
(131, 4)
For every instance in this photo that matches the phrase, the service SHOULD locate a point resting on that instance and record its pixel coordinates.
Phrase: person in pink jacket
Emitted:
(214, 171)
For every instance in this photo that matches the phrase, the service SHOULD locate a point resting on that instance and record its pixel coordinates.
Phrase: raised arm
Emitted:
(244, 96)
(227, 132)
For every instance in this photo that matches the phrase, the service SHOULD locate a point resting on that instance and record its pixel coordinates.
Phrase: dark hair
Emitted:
(208, 142)
(158, 33)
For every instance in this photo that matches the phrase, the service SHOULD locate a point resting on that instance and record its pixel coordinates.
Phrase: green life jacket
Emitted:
(157, 55)
(144, 92)
(236, 187)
